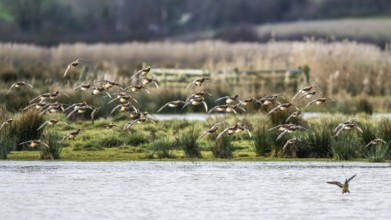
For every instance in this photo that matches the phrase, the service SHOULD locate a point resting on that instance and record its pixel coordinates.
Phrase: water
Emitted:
(185, 190)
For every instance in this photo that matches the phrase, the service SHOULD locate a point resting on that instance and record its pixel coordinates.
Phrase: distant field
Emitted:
(372, 30)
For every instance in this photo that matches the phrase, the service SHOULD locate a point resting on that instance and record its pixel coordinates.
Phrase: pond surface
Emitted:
(186, 190)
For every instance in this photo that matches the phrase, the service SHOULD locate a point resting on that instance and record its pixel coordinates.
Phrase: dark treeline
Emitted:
(53, 21)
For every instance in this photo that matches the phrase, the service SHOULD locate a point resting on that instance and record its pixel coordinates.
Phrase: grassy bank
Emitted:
(170, 140)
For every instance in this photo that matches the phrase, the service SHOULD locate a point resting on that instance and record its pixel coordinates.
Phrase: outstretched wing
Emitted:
(274, 109)
(67, 69)
(202, 135)
(146, 90)
(205, 105)
(69, 115)
(310, 103)
(221, 98)
(115, 108)
(186, 104)
(351, 177)
(249, 133)
(161, 108)
(339, 131)
(282, 135)
(221, 133)
(28, 84)
(296, 94)
(288, 142)
(12, 86)
(137, 73)
(24, 142)
(44, 144)
(130, 123)
(43, 125)
(335, 183)
(359, 129)
(290, 116)
(113, 100)
(191, 84)
(157, 85)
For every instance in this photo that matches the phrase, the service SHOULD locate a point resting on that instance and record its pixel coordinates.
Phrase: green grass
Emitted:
(174, 140)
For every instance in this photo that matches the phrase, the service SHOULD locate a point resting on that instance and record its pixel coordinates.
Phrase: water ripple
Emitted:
(185, 190)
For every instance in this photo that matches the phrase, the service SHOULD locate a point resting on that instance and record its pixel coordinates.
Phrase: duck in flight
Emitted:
(344, 186)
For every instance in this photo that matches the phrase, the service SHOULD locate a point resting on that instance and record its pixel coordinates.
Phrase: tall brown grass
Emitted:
(349, 67)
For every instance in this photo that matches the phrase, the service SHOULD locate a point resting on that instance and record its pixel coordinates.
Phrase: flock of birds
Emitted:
(127, 104)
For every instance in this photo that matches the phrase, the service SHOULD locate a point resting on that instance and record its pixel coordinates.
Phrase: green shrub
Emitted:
(344, 147)
(53, 139)
(135, 138)
(188, 143)
(223, 147)
(88, 145)
(377, 153)
(262, 142)
(110, 140)
(384, 127)
(162, 147)
(364, 105)
(7, 142)
(318, 143)
(25, 127)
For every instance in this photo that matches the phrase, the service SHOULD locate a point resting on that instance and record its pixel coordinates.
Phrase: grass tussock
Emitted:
(318, 141)
(345, 147)
(262, 141)
(223, 147)
(188, 143)
(377, 153)
(25, 127)
(135, 137)
(7, 143)
(162, 148)
(53, 152)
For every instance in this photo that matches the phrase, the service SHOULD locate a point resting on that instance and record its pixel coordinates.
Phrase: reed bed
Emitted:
(336, 67)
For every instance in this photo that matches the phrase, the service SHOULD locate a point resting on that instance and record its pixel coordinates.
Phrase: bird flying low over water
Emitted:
(290, 129)
(289, 142)
(83, 87)
(375, 142)
(196, 101)
(270, 99)
(234, 130)
(34, 143)
(211, 130)
(318, 101)
(347, 125)
(144, 72)
(200, 81)
(307, 89)
(146, 81)
(344, 186)
(71, 135)
(228, 99)
(51, 122)
(49, 95)
(18, 85)
(7, 122)
(198, 94)
(283, 107)
(295, 114)
(171, 104)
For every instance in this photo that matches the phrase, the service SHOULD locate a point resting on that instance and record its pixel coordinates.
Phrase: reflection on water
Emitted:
(185, 190)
